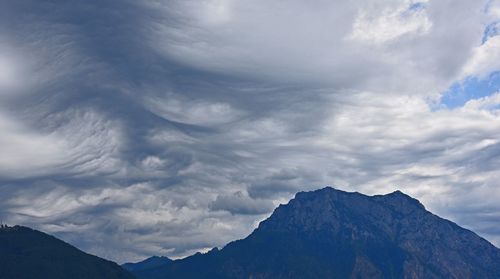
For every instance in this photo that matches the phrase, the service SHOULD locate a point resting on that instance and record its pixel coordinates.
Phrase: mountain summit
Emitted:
(329, 233)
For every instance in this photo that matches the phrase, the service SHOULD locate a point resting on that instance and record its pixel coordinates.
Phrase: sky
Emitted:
(166, 127)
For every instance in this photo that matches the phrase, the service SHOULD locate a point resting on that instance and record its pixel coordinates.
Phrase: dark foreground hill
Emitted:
(30, 254)
(333, 234)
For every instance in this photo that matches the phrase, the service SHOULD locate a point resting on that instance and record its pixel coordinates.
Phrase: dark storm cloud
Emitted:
(175, 126)
(239, 203)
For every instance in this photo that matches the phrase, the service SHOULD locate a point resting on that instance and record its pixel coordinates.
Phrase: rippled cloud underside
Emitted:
(139, 128)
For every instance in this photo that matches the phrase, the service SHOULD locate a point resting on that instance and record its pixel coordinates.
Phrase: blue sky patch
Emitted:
(417, 6)
(491, 30)
(471, 88)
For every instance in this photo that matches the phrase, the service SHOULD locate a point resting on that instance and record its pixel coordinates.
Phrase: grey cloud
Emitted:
(284, 183)
(262, 40)
(240, 203)
(126, 132)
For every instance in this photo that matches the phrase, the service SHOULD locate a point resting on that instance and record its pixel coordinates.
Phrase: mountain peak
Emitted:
(329, 208)
(329, 233)
(400, 201)
(399, 194)
(395, 198)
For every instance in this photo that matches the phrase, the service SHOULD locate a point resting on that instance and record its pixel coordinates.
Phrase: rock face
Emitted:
(30, 254)
(334, 234)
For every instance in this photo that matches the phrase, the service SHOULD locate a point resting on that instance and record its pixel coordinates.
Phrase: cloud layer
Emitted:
(168, 127)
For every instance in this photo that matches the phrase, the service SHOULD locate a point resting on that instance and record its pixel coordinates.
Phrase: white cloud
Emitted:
(297, 42)
(152, 162)
(25, 153)
(194, 112)
(390, 23)
(493, 9)
(485, 59)
(83, 145)
(490, 103)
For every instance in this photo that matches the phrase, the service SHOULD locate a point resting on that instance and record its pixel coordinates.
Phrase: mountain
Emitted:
(149, 263)
(334, 234)
(26, 253)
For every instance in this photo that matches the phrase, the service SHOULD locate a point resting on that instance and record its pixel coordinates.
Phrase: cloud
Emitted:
(240, 203)
(85, 144)
(9, 73)
(391, 24)
(176, 126)
(192, 112)
(24, 151)
(484, 60)
(323, 42)
(488, 103)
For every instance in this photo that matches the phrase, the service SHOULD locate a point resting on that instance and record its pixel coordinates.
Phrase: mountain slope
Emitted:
(333, 234)
(27, 253)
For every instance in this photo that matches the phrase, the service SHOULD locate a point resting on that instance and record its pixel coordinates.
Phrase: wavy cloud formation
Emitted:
(133, 129)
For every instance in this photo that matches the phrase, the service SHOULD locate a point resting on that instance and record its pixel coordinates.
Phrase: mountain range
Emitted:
(325, 233)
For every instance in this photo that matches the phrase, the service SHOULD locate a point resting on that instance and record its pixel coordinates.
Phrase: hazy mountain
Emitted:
(149, 263)
(27, 253)
(333, 234)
